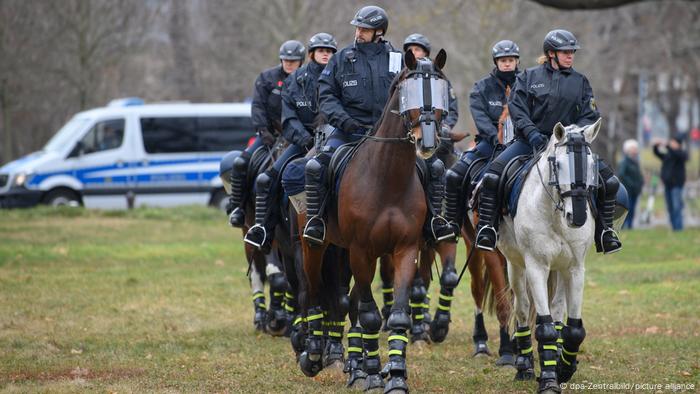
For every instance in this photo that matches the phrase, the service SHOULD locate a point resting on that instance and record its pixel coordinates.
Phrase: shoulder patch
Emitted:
(326, 71)
(594, 107)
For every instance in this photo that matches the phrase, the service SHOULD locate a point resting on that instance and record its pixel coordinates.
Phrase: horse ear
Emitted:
(592, 130)
(410, 60)
(559, 131)
(441, 59)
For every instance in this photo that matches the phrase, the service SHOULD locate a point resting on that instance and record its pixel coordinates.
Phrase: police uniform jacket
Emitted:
(543, 96)
(355, 84)
(266, 109)
(486, 101)
(300, 104)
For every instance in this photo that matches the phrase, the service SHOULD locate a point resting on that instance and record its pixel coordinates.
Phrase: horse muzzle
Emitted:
(426, 144)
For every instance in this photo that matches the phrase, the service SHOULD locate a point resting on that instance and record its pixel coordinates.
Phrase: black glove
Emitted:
(352, 126)
(536, 139)
(266, 137)
(306, 142)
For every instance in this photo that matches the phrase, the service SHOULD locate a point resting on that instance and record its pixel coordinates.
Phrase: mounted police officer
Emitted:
(487, 102)
(299, 110)
(266, 117)
(419, 45)
(353, 89)
(544, 95)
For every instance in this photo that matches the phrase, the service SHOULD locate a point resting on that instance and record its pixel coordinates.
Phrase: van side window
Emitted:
(196, 134)
(219, 134)
(104, 136)
(168, 135)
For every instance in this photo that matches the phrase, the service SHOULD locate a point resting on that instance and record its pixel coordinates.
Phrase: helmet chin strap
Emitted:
(556, 60)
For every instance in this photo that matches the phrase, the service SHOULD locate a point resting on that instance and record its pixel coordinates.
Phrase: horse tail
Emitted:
(491, 298)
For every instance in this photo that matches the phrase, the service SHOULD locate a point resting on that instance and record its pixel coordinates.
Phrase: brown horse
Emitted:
(381, 210)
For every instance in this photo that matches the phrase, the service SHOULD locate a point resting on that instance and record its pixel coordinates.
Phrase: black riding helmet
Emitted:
(505, 48)
(417, 39)
(292, 50)
(371, 17)
(560, 40)
(323, 40)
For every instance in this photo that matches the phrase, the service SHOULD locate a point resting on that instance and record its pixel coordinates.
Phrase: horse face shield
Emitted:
(574, 173)
(422, 102)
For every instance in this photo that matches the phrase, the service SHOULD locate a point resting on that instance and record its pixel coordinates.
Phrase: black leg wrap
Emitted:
(353, 365)
(480, 336)
(547, 336)
(297, 335)
(399, 320)
(388, 298)
(238, 176)
(487, 228)
(260, 318)
(371, 323)
(507, 348)
(277, 316)
(524, 362)
(418, 292)
(440, 325)
(573, 335)
(334, 351)
(310, 360)
(395, 369)
(440, 229)
(315, 229)
(449, 278)
(290, 307)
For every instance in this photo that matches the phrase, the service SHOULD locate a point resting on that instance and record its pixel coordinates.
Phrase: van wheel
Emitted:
(219, 200)
(62, 197)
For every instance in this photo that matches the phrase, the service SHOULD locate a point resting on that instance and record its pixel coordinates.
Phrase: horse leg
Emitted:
(258, 288)
(298, 326)
(399, 320)
(480, 336)
(386, 272)
(524, 361)
(545, 333)
(558, 304)
(276, 315)
(363, 267)
(337, 308)
(418, 296)
(440, 325)
(573, 333)
(310, 359)
(495, 262)
(353, 365)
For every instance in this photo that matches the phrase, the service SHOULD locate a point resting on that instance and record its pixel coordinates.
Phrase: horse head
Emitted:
(573, 168)
(423, 100)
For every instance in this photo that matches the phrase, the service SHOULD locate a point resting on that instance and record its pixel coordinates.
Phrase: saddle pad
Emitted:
(515, 173)
(339, 161)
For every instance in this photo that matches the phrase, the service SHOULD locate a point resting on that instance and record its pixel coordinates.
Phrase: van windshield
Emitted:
(65, 134)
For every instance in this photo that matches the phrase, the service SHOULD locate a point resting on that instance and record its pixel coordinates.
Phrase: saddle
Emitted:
(260, 160)
(339, 162)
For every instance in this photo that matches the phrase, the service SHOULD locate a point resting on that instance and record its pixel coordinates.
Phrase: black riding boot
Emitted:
(439, 226)
(260, 235)
(315, 229)
(235, 205)
(606, 239)
(453, 191)
(486, 231)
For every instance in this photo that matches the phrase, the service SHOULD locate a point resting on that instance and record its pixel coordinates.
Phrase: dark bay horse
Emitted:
(381, 210)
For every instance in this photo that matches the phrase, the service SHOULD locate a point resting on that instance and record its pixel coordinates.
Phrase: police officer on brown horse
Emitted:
(266, 116)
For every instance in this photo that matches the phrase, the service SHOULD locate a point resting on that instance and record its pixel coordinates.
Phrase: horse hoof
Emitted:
(396, 385)
(506, 360)
(481, 349)
(356, 379)
(310, 364)
(525, 375)
(565, 372)
(374, 383)
(422, 337)
(277, 327)
(549, 386)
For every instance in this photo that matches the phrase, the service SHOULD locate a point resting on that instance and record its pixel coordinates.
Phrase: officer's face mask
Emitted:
(423, 101)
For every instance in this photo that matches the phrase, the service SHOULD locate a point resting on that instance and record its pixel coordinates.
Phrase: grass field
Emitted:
(157, 300)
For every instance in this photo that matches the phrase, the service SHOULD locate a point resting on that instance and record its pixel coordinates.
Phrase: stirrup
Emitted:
(495, 236)
(451, 236)
(602, 245)
(251, 242)
(314, 240)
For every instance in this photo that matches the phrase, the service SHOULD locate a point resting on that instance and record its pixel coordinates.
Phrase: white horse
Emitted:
(552, 232)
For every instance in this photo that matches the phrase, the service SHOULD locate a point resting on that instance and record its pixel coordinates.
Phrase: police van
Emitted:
(131, 154)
